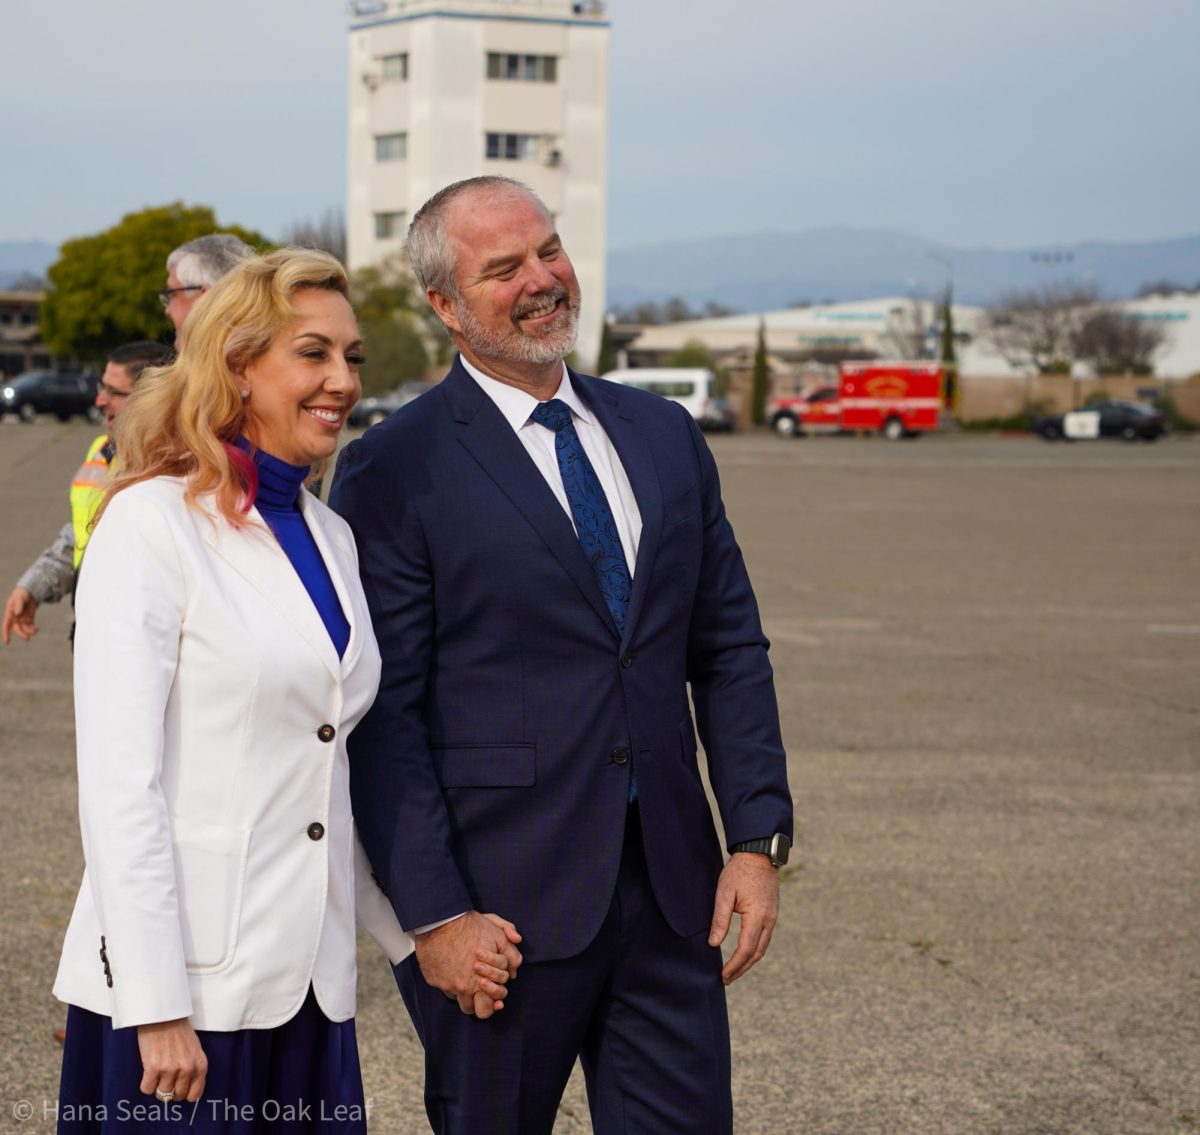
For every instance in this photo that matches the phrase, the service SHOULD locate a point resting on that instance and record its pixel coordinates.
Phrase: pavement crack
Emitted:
(1137, 1087)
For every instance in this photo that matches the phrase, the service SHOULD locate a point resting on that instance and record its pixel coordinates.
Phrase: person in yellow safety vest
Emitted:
(52, 575)
(87, 488)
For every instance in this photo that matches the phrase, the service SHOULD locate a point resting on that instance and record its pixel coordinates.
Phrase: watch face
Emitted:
(780, 847)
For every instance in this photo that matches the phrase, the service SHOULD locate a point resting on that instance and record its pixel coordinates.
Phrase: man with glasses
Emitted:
(194, 267)
(52, 575)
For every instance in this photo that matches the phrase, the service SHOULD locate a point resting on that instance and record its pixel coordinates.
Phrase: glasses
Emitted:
(112, 393)
(164, 297)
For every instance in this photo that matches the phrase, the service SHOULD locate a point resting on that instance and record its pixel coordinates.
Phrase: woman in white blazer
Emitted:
(223, 653)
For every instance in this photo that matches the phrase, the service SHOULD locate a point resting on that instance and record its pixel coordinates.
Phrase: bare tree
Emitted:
(1035, 326)
(1166, 288)
(1113, 342)
(673, 310)
(27, 282)
(328, 233)
(907, 331)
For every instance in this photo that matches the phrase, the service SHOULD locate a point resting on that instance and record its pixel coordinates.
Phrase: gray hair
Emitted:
(200, 263)
(430, 249)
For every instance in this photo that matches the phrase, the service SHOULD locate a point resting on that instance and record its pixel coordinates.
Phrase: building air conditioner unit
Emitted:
(553, 157)
(370, 80)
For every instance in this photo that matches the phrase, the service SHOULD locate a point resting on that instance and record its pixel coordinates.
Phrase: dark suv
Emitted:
(43, 392)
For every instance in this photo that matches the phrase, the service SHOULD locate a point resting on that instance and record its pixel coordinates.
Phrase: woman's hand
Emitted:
(172, 1060)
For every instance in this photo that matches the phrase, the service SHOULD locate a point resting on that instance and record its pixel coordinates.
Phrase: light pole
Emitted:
(1053, 259)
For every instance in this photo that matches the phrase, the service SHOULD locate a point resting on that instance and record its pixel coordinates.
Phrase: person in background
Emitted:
(194, 267)
(51, 576)
(210, 959)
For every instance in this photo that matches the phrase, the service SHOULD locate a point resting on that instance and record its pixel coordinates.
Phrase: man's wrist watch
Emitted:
(775, 848)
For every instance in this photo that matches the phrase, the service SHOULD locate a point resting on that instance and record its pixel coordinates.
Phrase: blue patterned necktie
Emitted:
(594, 521)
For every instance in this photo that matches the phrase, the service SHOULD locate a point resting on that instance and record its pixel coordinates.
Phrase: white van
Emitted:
(691, 387)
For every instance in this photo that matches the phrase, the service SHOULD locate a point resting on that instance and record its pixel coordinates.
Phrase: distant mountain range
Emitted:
(25, 258)
(775, 270)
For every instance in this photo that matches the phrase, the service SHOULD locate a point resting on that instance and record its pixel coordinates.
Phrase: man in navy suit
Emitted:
(550, 569)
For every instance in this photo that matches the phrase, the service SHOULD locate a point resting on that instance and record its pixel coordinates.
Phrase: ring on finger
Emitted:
(165, 1097)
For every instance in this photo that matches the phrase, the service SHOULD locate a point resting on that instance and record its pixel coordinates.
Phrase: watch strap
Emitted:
(760, 845)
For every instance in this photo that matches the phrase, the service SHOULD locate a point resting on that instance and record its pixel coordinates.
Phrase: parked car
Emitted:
(44, 392)
(717, 416)
(1131, 421)
(371, 411)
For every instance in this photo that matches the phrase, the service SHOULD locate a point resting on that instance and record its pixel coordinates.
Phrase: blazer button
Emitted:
(326, 733)
(619, 756)
(626, 660)
(316, 831)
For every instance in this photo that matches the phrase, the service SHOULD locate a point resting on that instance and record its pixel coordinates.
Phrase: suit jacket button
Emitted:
(326, 733)
(316, 831)
(626, 660)
(619, 756)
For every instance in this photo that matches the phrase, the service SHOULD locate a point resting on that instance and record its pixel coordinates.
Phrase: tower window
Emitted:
(391, 147)
(394, 68)
(525, 68)
(512, 147)
(388, 226)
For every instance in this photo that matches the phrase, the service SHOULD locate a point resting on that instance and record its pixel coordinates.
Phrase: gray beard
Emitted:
(554, 344)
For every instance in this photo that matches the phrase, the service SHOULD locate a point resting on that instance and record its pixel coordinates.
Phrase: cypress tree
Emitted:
(761, 377)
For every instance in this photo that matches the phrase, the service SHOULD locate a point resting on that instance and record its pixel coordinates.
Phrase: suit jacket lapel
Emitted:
(633, 448)
(340, 568)
(492, 443)
(256, 555)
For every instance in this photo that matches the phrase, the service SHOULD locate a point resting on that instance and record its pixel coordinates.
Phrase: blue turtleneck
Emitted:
(278, 500)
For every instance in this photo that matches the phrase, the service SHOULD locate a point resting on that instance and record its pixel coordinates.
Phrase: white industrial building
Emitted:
(880, 327)
(1179, 317)
(446, 89)
(860, 328)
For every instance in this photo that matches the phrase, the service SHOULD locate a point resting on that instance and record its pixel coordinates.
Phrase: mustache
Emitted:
(538, 303)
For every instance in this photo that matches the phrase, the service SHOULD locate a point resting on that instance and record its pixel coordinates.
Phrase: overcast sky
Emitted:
(1024, 123)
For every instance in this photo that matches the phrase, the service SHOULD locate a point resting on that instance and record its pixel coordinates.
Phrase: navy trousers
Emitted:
(301, 1077)
(642, 1008)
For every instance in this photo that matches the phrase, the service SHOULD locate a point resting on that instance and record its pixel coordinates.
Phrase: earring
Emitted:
(245, 395)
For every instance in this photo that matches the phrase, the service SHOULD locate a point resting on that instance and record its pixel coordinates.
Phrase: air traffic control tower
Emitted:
(446, 89)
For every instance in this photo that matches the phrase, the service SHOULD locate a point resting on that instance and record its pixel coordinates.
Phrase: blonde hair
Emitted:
(183, 419)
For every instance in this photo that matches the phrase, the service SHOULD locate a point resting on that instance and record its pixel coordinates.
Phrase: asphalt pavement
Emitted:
(987, 652)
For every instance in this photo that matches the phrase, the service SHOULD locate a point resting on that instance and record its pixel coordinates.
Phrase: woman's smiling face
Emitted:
(303, 387)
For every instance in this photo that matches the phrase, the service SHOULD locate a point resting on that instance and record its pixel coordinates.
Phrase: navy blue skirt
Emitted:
(301, 1077)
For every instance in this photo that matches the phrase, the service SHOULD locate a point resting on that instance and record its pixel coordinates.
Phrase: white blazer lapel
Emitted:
(340, 568)
(257, 556)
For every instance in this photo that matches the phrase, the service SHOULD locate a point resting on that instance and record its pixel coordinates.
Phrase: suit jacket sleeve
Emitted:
(732, 683)
(397, 798)
(129, 611)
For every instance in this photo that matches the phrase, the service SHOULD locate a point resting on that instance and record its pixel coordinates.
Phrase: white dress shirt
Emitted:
(516, 406)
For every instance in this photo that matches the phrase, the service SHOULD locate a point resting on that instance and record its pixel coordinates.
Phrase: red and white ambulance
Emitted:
(894, 399)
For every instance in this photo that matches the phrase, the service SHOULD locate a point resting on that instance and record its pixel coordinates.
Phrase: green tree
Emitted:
(400, 331)
(395, 350)
(694, 353)
(102, 288)
(949, 358)
(948, 355)
(760, 379)
(607, 359)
